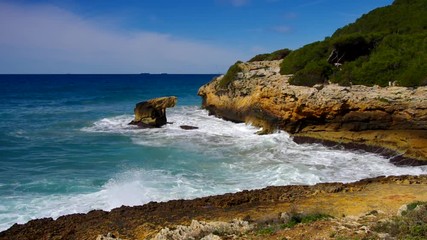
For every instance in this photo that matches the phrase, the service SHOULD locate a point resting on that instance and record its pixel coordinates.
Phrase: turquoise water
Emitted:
(65, 147)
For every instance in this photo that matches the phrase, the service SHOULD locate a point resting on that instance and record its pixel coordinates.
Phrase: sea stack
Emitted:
(152, 113)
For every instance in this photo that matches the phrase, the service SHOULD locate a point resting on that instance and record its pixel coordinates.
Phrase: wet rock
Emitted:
(152, 113)
(187, 127)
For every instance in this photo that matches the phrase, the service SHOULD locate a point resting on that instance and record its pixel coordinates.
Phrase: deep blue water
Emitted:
(65, 147)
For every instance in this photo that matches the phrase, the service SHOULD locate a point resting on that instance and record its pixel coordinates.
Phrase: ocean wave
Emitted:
(216, 158)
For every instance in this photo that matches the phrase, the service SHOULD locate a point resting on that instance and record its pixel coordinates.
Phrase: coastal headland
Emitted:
(388, 120)
(363, 88)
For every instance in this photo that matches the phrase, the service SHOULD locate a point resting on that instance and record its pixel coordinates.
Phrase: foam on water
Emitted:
(216, 158)
(255, 161)
(264, 160)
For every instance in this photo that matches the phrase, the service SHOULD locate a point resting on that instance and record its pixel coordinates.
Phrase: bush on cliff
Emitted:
(411, 225)
(315, 72)
(299, 59)
(398, 58)
(276, 55)
(388, 44)
(230, 75)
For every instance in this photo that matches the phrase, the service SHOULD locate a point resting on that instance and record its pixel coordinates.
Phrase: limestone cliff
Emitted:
(260, 95)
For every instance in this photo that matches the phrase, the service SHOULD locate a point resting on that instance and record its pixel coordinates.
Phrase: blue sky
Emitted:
(175, 36)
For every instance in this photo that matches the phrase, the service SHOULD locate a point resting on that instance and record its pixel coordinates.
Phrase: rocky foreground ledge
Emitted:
(244, 215)
(375, 118)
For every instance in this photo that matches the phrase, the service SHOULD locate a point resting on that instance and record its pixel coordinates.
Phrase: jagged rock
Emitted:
(152, 113)
(109, 236)
(211, 237)
(204, 230)
(272, 103)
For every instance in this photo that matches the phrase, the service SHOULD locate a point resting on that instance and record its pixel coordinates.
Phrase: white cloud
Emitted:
(239, 3)
(282, 29)
(47, 39)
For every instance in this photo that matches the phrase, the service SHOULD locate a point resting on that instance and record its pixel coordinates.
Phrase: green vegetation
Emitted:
(388, 44)
(276, 55)
(295, 218)
(301, 218)
(267, 230)
(411, 225)
(230, 75)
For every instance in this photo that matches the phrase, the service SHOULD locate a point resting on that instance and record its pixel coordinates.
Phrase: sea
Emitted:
(66, 147)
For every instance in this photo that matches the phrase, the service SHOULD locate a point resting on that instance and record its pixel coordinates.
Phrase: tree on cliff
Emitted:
(388, 44)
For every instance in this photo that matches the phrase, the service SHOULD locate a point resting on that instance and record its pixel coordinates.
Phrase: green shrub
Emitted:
(398, 58)
(413, 225)
(388, 44)
(230, 75)
(313, 73)
(272, 226)
(305, 218)
(298, 59)
(276, 55)
(266, 231)
(352, 46)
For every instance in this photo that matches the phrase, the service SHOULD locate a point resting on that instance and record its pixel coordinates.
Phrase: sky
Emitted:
(159, 36)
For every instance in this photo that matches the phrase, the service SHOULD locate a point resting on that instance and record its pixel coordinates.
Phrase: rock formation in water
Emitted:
(260, 95)
(152, 113)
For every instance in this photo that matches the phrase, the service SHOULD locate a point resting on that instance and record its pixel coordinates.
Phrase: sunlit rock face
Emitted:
(261, 96)
(152, 113)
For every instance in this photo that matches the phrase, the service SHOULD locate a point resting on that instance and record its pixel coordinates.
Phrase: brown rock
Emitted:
(270, 102)
(152, 113)
(187, 127)
(385, 194)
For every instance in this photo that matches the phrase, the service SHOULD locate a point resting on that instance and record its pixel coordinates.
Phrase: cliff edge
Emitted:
(380, 118)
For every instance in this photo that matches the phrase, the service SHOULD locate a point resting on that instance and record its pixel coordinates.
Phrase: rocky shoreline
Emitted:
(382, 194)
(391, 118)
(389, 121)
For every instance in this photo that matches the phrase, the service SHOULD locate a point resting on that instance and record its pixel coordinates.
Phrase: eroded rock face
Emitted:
(204, 230)
(152, 113)
(261, 96)
(264, 97)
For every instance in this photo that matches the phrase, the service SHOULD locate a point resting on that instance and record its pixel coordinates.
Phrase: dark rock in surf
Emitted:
(152, 113)
(187, 127)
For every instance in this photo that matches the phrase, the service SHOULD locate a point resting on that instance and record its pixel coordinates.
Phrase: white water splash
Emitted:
(230, 158)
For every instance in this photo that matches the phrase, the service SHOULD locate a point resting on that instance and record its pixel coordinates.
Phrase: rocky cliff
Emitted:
(391, 117)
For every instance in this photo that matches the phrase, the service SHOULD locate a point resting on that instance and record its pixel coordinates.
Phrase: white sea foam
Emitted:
(117, 124)
(230, 158)
(261, 160)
